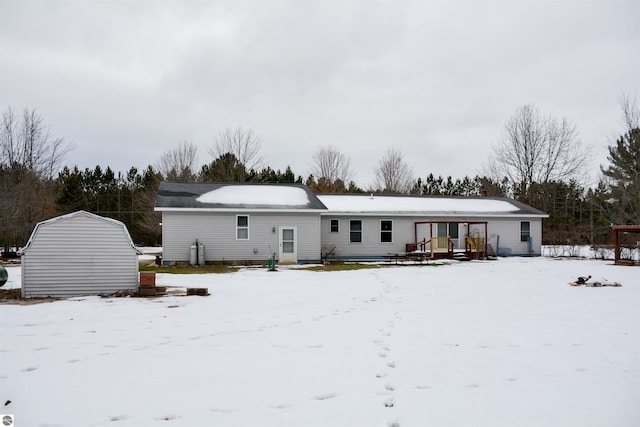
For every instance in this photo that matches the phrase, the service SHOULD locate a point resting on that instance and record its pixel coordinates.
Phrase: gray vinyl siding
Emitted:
(79, 255)
(217, 232)
(508, 231)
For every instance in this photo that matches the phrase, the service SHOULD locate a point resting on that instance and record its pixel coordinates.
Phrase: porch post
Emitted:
(486, 239)
(616, 246)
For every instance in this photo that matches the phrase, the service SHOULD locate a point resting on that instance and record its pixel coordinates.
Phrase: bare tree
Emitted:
(537, 149)
(27, 141)
(393, 174)
(29, 158)
(245, 146)
(177, 164)
(631, 112)
(332, 165)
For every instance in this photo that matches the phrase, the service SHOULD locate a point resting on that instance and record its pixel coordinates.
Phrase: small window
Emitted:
(525, 231)
(242, 227)
(335, 226)
(386, 231)
(355, 231)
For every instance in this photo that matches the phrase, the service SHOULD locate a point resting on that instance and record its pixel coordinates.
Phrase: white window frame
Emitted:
(386, 231)
(238, 227)
(361, 231)
(528, 231)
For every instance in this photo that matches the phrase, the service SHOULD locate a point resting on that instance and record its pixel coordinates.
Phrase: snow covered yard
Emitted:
(494, 343)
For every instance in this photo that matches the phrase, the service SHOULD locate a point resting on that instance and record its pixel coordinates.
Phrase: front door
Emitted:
(451, 230)
(288, 245)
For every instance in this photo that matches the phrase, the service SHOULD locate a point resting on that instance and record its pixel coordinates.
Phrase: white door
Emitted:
(288, 244)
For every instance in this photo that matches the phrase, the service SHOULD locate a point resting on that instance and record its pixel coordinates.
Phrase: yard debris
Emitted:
(596, 284)
(198, 291)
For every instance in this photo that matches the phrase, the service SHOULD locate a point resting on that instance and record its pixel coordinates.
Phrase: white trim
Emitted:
(528, 233)
(435, 215)
(385, 231)
(239, 209)
(361, 232)
(248, 227)
(288, 257)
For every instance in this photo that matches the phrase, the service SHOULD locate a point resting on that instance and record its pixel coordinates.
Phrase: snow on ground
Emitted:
(492, 343)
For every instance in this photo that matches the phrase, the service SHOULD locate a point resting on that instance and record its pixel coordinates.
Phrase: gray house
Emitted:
(370, 227)
(239, 222)
(79, 254)
(250, 222)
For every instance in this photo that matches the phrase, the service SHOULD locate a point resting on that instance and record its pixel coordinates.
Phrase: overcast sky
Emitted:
(126, 81)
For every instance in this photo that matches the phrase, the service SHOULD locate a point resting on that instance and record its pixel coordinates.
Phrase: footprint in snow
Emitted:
(389, 403)
(389, 387)
(391, 364)
(394, 423)
(325, 396)
(280, 406)
(381, 375)
(30, 369)
(118, 417)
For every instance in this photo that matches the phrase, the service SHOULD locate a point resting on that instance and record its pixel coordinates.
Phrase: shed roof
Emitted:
(236, 196)
(76, 214)
(428, 206)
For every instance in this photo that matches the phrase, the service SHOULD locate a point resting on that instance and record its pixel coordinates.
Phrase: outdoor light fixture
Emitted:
(273, 230)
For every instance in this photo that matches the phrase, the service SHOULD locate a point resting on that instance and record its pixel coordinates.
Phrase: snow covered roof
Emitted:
(427, 206)
(180, 196)
(246, 196)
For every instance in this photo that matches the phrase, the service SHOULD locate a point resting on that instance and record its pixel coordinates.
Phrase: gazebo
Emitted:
(619, 244)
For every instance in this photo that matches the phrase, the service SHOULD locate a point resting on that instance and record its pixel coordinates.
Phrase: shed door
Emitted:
(288, 244)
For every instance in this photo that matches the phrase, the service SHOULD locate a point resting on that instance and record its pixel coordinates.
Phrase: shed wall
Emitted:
(217, 232)
(79, 255)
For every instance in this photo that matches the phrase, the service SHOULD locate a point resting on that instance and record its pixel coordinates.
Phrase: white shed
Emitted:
(79, 254)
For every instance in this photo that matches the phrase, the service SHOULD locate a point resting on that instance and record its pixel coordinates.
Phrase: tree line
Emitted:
(537, 160)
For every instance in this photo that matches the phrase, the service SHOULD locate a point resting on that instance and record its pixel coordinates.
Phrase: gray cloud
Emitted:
(126, 81)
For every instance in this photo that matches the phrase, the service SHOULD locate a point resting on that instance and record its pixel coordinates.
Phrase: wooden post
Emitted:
(616, 247)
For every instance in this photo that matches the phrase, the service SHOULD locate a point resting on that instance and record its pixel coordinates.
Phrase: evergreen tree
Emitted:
(624, 173)
(71, 196)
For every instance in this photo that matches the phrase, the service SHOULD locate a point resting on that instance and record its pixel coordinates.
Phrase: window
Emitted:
(335, 226)
(288, 240)
(525, 231)
(454, 230)
(355, 231)
(386, 231)
(242, 227)
(448, 229)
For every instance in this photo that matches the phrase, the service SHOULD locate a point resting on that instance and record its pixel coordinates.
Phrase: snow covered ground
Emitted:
(492, 343)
